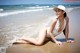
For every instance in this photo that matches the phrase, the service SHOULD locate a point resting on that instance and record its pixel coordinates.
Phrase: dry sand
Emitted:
(48, 47)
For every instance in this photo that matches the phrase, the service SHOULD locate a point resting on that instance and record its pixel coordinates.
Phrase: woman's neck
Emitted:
(61, 18)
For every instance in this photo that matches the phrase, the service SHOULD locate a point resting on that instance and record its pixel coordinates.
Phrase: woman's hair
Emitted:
(65, 14)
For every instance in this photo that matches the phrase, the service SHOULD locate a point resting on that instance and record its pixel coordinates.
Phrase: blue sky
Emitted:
(13, 2)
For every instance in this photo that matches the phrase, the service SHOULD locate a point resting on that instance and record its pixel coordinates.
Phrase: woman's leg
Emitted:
(39, 40)
(21, 41)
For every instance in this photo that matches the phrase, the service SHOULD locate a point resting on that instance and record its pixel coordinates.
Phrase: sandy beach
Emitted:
(14, 25)
(50, 47)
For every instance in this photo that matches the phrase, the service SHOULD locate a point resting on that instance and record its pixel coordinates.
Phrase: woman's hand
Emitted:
(58, 43)
(70, 41)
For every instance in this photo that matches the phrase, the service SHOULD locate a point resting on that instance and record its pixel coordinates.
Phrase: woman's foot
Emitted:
(20, 41)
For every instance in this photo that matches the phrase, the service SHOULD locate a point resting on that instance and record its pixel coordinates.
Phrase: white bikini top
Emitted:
(57, 26)
(58, 23)
(55, 31)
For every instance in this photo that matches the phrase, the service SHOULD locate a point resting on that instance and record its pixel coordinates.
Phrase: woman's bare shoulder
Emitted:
(53, 22)
(67, 18)
(55, 19)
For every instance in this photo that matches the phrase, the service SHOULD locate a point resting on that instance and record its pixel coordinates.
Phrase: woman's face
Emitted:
(59, 13)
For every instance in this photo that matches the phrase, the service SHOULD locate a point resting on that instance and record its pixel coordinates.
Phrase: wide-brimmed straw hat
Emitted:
(61, 7)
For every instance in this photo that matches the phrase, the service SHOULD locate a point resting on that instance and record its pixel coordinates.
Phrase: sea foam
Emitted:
(18, 12)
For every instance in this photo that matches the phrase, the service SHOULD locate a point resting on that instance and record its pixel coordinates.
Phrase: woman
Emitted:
(59, 24)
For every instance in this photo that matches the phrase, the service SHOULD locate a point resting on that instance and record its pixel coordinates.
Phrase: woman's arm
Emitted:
(66, 31)
(49, 31)
(66, 28)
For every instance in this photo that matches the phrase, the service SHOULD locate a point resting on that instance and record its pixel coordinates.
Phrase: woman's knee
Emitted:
(41, 37)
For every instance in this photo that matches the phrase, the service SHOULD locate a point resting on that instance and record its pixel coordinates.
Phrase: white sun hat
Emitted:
(61, 7)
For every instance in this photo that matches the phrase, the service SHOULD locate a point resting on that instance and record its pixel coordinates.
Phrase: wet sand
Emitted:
(48, 47)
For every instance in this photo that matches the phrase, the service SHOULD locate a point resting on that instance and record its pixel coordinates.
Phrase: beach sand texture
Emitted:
(50, 47)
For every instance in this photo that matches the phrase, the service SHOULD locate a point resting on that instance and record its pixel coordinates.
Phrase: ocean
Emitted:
(6, 10)
(17, 21)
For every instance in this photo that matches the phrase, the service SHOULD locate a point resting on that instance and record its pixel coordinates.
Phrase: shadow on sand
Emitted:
(63, 39)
